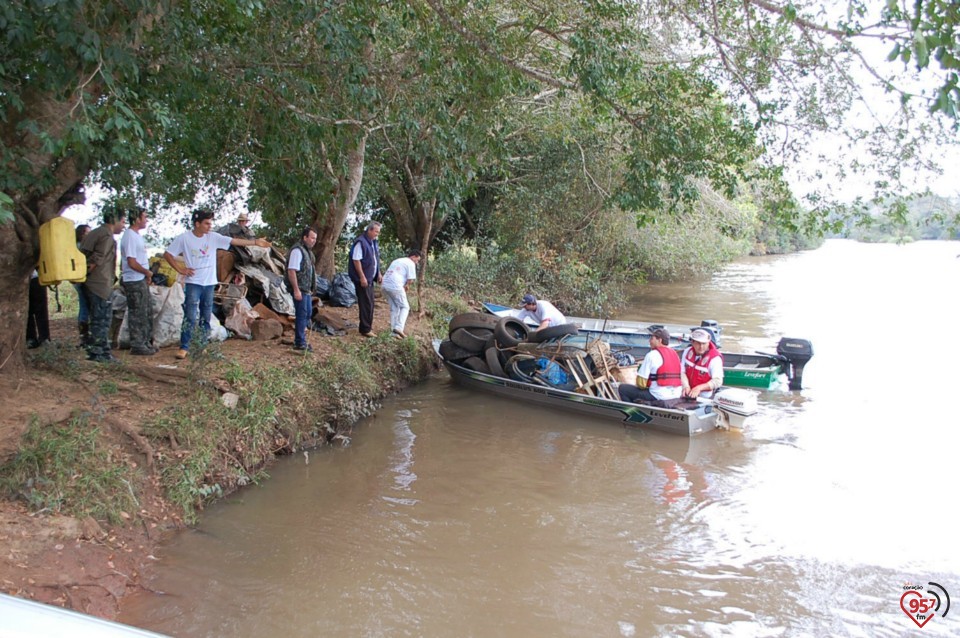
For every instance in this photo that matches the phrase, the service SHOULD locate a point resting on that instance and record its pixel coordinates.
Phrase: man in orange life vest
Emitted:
(658, 378)
(702, 366)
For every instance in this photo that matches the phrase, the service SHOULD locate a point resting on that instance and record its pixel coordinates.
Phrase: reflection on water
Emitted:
(458, 513)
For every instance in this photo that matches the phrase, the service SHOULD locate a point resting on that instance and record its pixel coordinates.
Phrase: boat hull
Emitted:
(683, 422)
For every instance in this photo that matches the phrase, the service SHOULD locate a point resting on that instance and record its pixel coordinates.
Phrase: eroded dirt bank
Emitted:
(164, 436)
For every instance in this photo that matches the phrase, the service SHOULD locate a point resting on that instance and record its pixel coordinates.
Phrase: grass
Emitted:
(69, 305)
(70, 469)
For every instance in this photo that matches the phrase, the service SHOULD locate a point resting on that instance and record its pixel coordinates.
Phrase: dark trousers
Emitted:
(38, 320)
(633, 394)
(365, 303)
(139, 314)
(304, 309)
(101, 314)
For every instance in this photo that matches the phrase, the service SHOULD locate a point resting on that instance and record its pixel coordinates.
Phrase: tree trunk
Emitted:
(17, 261)
(20, 253)
(417, 224)
(330, 225)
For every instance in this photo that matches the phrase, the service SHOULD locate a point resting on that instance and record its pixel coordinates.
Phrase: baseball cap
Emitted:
(662, 335)
(700, 335)
(528, 299)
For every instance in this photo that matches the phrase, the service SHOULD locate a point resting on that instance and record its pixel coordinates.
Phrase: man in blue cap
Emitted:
(541, 312)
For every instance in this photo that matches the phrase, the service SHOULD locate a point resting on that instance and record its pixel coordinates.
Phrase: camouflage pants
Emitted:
(98, 344)
(139, 314)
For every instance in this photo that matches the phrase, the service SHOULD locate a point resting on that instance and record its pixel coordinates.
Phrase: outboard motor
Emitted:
(797, 352)
(733, 406)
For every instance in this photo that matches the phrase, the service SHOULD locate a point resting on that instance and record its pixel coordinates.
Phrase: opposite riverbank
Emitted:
(99, 463)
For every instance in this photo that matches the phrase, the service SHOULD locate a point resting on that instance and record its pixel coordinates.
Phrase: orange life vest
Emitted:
(698, 368)
(668, 374)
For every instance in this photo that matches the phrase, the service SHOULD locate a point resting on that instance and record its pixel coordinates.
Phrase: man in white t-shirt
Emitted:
(135, 277)
(400, 273)
(199, 247)
(541, 311)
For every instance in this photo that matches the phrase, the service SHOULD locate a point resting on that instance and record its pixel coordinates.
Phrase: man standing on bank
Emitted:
(364, 271)
(199, 247)
(399, 274)
(302, 283)
(135, 277)
(100, 249)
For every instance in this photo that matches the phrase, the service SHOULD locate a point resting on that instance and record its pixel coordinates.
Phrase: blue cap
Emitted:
(529, 299)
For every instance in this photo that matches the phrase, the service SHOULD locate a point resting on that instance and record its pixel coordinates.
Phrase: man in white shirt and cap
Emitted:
(541, 311)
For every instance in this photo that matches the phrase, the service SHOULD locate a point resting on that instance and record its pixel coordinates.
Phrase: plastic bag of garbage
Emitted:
(342, 291)
(241, 319)
(323, 287)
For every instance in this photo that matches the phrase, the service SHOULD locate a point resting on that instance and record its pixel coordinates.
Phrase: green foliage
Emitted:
(6, 208)
(504, 277)
(929, 29)
(901, 220)
(69, 468)
(695, 241)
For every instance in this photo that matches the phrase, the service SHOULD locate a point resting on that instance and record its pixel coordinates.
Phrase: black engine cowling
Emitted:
(797, 352)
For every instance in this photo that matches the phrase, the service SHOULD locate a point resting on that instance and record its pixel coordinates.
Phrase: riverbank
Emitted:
(98, 463)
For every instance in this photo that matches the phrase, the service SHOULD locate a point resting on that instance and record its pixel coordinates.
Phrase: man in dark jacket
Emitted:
(302, 282)
(364, 272)
(100, 248)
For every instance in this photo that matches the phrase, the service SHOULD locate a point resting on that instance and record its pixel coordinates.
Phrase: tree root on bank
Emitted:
(138, 439)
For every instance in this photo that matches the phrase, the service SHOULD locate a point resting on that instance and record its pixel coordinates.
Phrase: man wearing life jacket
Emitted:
(702, 366)
(658, 378)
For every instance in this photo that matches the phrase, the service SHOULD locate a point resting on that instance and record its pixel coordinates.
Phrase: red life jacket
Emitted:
(668, 374)
(698, 368)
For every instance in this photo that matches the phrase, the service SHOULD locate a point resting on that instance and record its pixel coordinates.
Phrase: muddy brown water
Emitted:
(455, 513)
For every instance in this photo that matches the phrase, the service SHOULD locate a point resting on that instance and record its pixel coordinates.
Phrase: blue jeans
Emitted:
(83, 315)
(196, 297)
(304, 309)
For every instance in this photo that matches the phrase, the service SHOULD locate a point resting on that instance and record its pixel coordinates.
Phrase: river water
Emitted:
(455, 513)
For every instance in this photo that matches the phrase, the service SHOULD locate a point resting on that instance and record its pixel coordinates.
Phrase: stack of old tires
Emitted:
(484, 342)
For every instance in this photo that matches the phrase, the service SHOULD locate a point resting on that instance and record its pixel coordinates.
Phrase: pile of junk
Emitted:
(555, 356)
(251, 300)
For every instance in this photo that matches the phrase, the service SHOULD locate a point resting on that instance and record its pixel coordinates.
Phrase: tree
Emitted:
(70, 84)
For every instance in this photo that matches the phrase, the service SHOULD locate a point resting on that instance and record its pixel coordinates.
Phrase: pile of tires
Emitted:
(483, 342)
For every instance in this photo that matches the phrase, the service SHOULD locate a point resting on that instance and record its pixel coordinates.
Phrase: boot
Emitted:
(84, 327)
